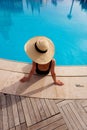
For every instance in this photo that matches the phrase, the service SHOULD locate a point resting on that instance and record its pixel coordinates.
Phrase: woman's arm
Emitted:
(58, 82)
(24, 79)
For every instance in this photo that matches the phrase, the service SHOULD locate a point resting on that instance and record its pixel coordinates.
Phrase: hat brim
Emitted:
(40, 58)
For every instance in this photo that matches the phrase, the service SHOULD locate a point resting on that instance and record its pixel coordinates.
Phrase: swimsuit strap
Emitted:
(50, 65)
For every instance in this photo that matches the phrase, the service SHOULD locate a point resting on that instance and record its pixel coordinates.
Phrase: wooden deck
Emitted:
(25, 113)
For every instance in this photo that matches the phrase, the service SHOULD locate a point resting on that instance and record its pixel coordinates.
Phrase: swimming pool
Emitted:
(63, 21)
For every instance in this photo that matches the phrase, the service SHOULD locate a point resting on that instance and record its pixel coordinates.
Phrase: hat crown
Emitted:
(40, 49)
(43, 45)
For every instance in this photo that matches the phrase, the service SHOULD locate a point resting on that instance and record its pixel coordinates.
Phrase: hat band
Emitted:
(41, 51)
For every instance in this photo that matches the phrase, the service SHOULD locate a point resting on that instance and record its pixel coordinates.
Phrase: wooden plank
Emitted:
(54, 106)
(9, 84)
(85, 111)
(84, 103)
(37, 113)
(40, 107)
(26, 112)
(1, 116)
(4, 111)
(53, 125)
(69, 120)
(12, 128)
(61, 104)
(72, 118)
(76, 113)
(78, 116)
(45, 107)
(81, 111)
(10, 112)
(31, 111)
(18, 127)
(58, 100)
(15, 110)
(46, 122)
(14, 66)
(43, 88)
(50, 107)
(62, 110)
(24, 127)
(60, 70)
(62, 127)
(20, 110)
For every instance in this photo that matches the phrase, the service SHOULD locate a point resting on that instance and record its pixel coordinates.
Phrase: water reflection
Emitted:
(5, 23)
(23, 5)
(32, 4)
(11, 5)
(55, 2)
(70, 12)
(83, 4)
(7, 7)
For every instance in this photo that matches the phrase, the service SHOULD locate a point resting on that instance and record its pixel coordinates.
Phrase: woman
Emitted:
(41, 50)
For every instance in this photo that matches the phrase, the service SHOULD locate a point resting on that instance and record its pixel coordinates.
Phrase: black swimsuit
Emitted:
(41, 72)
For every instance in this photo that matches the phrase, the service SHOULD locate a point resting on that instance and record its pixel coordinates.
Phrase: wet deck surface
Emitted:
(25, 113)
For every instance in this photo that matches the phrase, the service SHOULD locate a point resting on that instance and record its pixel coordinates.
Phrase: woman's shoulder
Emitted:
(53, 60)
(33, 63)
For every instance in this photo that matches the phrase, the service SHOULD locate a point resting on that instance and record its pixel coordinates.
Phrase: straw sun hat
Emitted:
(40, 49)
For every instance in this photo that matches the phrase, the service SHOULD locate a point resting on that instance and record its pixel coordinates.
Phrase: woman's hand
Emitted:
(24, 79)
(58, 82)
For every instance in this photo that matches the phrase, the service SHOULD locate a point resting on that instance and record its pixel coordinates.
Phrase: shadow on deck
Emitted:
(74, 78)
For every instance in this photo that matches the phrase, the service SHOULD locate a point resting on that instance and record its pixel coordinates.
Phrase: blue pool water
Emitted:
(63, 21)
